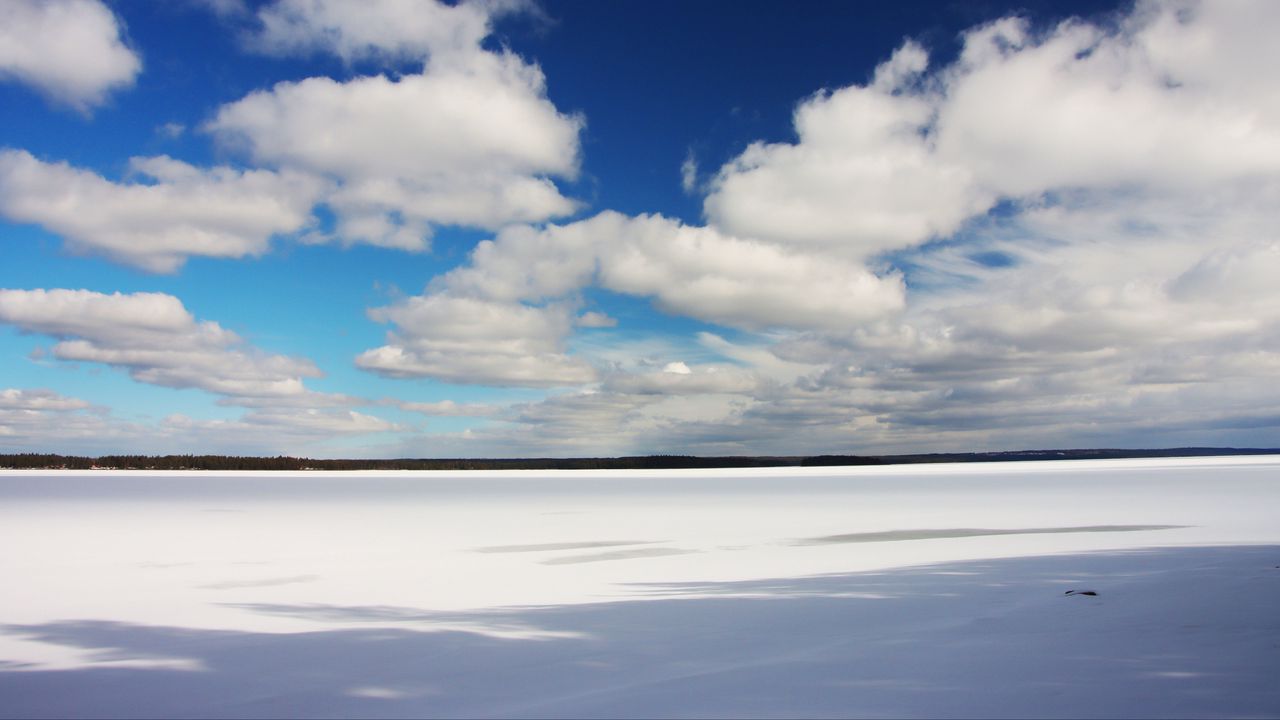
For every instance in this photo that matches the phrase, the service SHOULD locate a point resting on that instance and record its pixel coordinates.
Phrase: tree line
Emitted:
(49, 461)
(33, 461)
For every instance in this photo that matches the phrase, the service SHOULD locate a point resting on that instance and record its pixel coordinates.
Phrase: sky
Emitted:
(404, 228)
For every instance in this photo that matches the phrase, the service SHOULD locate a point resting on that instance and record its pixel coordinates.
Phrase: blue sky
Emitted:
(406, 228)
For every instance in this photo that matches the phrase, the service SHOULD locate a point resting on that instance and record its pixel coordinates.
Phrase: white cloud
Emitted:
(689, 173)
(702, 273)
(69, 50)
(593, 319)
(1242, 278)
(449, 408)
(476, 324)
(693, 271)
(471, 140)
(38, 399)
(394, 29)
(39, 420)
(862, 179)
(154, 338)
(1168, 100)
(759, 356)
(1106, 342)
(677, 378)
(1134, 255)
(597, 423)
(475, 341)
(1123, 294)
(1087, 107)
(174, 212)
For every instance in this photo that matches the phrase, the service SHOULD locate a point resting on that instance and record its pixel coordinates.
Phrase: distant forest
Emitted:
(34, 461)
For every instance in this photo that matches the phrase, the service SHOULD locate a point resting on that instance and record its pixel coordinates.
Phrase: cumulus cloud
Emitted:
(471, 140)
(1165, 101)
(38, 419)
(1121, 292)
(69, 50)
(476, 341)
(38, 399)
(391, 29)
(703, 273)
(688, 270)
(1150, 103)
(863, 178)
(170, 212)
(1065, 237)
(157, 341)
(504, 317)
(155, 338)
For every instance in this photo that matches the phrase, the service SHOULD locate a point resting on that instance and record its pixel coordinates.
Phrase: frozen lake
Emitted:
(895, 591)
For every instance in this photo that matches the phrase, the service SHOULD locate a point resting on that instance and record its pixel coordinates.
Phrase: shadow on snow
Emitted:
(1173, 632)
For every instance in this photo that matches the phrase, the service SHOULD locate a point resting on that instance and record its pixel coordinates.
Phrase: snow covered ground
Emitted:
(934, 591)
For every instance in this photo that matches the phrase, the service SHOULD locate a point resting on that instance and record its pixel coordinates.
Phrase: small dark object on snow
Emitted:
(1081, 592)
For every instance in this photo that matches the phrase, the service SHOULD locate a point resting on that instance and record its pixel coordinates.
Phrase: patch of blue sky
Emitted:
(36, 258)
(985, 241)
(993, 259)
(25, 365)
(451, 246)
(315, 306)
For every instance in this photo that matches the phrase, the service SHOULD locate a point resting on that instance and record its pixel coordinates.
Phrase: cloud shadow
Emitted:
(1172, 632)
(948, 533)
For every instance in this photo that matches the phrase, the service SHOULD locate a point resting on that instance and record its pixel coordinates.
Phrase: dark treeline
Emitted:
(282, 462)
(33, 461)
(1081, 454)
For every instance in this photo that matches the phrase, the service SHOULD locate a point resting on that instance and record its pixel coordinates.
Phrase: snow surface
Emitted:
(905, 591)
